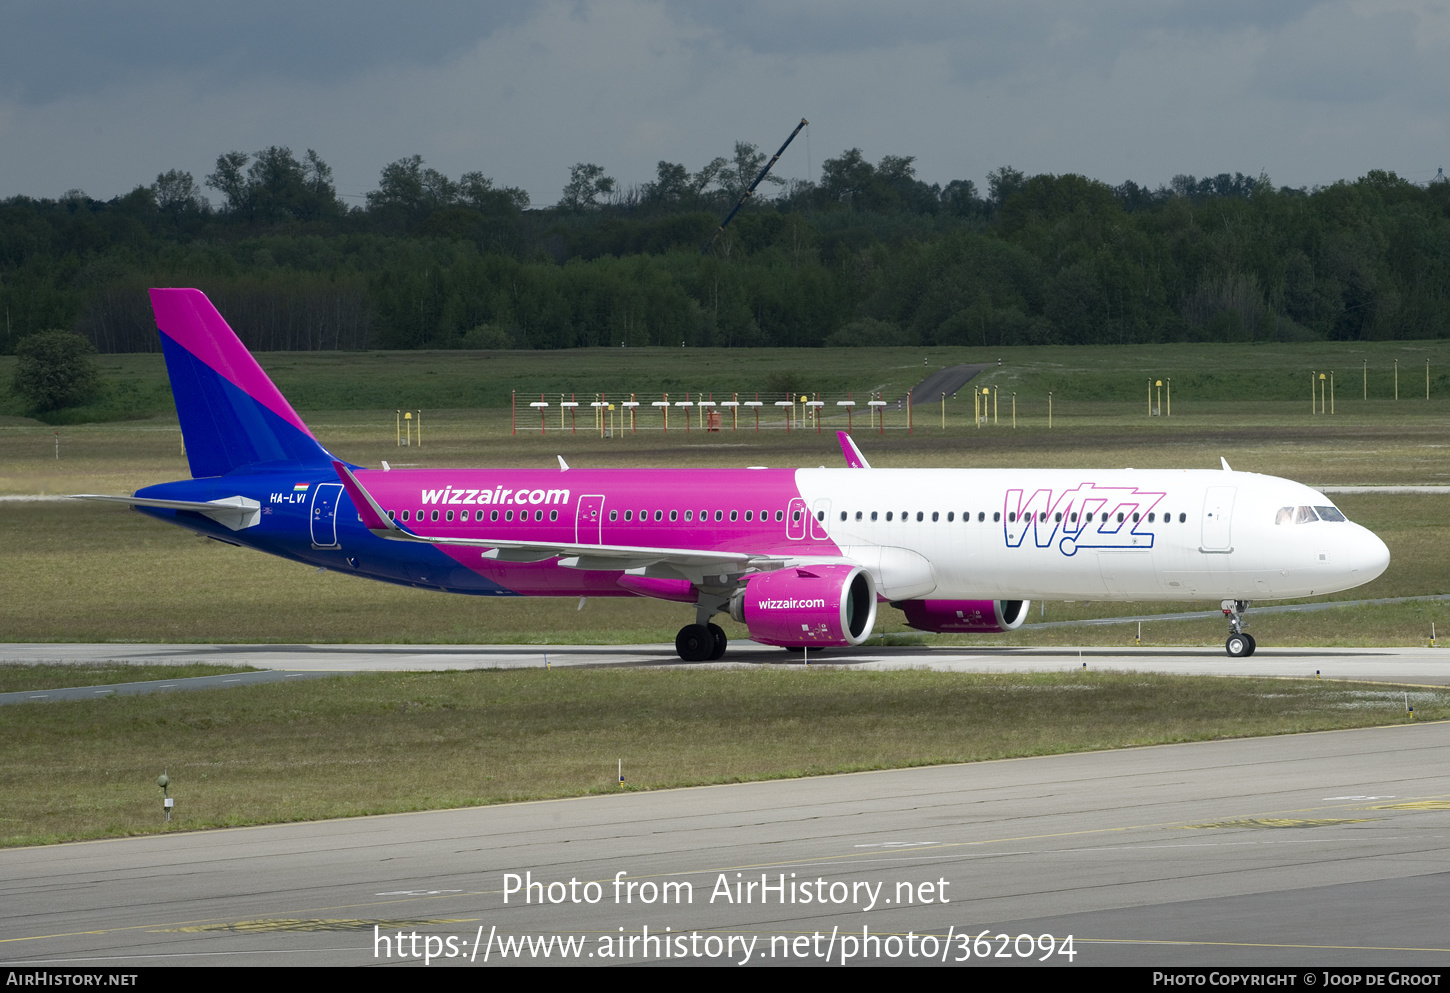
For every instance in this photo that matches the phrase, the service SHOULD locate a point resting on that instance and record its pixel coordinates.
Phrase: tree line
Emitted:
(866, 254)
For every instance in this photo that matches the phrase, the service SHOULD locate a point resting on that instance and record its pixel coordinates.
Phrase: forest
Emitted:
(867, 255)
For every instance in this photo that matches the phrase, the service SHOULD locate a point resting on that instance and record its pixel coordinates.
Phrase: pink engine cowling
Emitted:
(818, 605)
(965, 616)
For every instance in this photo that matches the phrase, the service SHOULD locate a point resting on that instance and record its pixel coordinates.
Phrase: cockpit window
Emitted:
(1307, 515)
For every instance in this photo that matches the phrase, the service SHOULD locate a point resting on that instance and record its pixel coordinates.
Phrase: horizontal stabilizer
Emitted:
(234, 513)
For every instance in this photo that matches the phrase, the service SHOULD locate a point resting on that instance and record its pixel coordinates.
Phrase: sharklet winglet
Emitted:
(854, 458)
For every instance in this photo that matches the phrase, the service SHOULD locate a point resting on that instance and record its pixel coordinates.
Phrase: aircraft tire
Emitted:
(1238, 646)
(694, 643)
(718, 633)
(1253, 645)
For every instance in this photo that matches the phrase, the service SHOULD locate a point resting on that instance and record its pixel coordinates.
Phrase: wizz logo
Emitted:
(1088, 516)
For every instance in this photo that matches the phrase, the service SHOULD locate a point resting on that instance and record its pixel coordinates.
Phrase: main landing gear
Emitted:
(1240, 644)
(700, 642)
(703, 641)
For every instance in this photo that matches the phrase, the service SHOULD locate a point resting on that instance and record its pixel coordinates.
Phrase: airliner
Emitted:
(801, 557)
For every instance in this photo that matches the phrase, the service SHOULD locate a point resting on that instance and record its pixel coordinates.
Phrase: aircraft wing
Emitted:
(690, 563)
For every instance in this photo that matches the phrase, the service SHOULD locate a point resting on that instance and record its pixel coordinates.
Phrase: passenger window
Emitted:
(1012, 517)
(553, 515)
(689, 515)
(493, 515)
(614, 515)
(1120, 518)
(873, 515)
(733, 515)
(1135, 517)
(843, 515)
(982, 516)
(720, 515)
(888, 515)
(405, 515)
(996, 516)
(392, 516)
(1182, 518)
(629, 515)
(508, 515)
(659, 515)
(450, 515)
(779, 515)
(858, 515)
(919, 515)
(674, 515)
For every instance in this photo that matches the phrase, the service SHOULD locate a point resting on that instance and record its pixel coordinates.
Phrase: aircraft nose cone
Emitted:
(1371, 556)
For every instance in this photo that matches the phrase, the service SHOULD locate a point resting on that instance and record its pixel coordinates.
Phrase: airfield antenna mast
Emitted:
(751, 189)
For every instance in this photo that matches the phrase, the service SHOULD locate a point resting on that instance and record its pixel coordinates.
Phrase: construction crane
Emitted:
(751, 189)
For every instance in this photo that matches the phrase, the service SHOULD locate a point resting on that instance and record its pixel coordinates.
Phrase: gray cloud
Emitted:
(56, 48)
(1309, 91)
(1337, 54)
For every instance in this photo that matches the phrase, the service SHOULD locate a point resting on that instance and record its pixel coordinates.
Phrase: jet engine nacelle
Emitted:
(817, 605)
(965, 616)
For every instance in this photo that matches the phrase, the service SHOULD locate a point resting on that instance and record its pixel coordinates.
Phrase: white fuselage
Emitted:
(1073, 534)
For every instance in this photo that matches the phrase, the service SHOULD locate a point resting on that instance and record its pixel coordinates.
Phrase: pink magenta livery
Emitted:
(801, 557)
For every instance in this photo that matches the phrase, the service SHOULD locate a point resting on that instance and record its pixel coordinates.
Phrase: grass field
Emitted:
(385, 742)
(86, 572)
(38, 676)
(92, 573)
(1200, 373)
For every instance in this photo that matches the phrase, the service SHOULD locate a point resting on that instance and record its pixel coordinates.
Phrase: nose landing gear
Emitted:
(1240, 644)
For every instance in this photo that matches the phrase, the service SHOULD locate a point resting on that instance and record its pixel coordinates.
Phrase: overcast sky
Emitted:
(102, 96)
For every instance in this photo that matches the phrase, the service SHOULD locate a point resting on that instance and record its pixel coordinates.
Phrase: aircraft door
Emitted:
(821, 514)
(589, 520)
(795, 519)
(324, 515)
(1218, 506)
